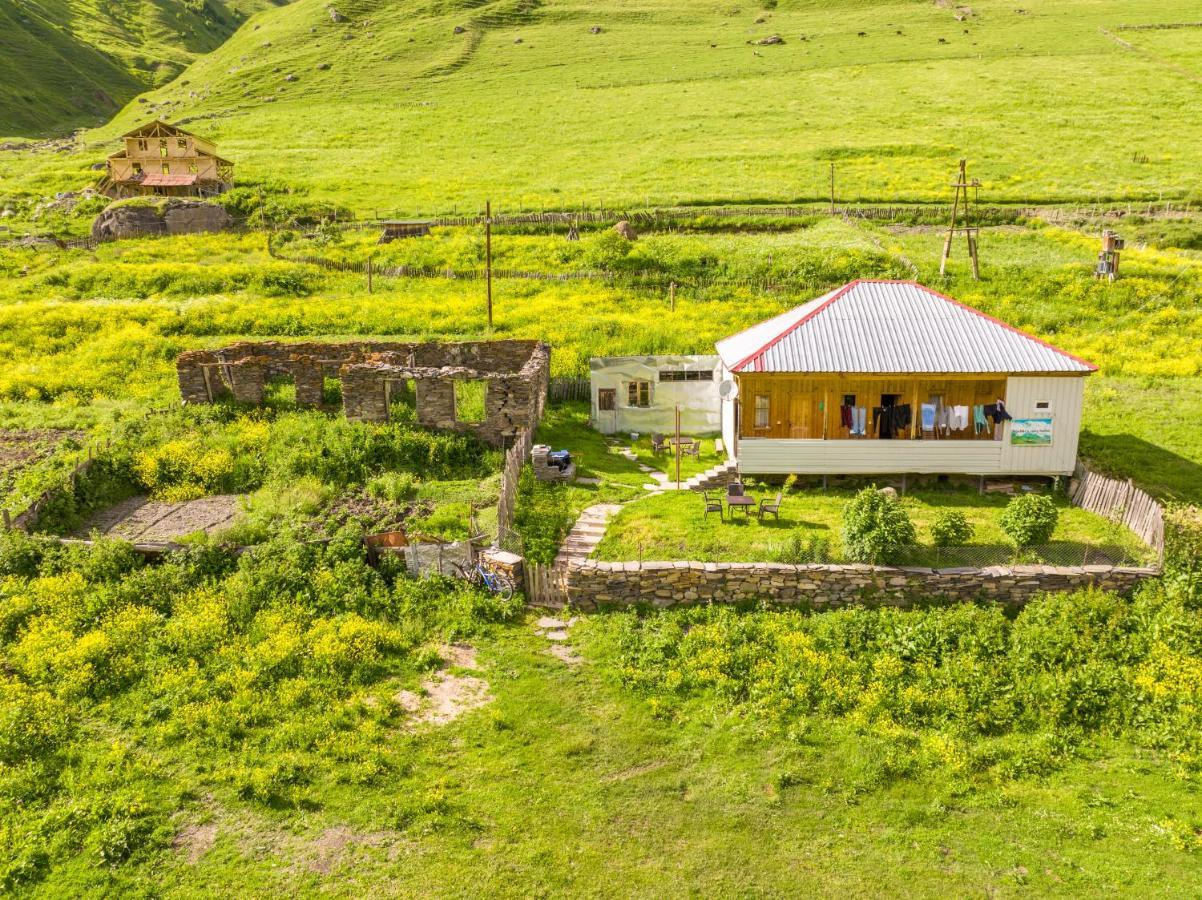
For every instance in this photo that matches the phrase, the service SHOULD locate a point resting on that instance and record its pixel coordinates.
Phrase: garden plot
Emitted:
(21, 448)
(146, 520)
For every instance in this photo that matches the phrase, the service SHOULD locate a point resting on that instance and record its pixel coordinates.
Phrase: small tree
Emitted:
(951, 528)
(876, 527)
(1029, 519)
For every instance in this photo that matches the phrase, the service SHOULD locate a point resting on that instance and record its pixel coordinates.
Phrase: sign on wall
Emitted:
(1031, 432)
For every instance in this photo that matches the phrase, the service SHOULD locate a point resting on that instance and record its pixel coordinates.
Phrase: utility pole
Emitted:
(678, 446)
(960, 208)
(488, 255)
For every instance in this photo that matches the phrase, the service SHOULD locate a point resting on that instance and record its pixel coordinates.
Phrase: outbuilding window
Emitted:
(682, 375)
(761, 411)
(638, 393)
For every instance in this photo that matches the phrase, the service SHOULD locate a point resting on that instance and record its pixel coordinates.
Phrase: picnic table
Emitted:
(737, 501)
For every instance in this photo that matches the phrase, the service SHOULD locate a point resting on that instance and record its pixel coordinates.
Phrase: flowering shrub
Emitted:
(876, 527)
(1029, 519)
(951, 528)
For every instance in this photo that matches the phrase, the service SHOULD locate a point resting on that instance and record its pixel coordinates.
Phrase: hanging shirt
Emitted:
(959, 418)
(928, 416)
(978, 418)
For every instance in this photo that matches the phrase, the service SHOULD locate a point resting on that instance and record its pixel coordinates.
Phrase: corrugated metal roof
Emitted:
(890, 326)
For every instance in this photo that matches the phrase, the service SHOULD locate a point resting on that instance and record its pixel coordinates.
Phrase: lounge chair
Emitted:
(658, 442)
(772, 509)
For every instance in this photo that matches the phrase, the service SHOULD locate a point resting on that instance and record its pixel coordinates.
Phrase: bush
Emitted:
(1029, 519)
(876, 528)
(394, 487)
(802, 548)
(951, 528)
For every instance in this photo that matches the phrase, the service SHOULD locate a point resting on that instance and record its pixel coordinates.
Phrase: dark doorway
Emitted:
(886, 424)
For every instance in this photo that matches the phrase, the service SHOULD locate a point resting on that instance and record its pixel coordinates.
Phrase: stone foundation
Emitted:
(594, 585)
(515, 372)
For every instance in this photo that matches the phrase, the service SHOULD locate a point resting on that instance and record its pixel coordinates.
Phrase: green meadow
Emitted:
(292, 720)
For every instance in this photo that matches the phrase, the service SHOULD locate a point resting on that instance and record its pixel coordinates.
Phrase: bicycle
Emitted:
(491, 580)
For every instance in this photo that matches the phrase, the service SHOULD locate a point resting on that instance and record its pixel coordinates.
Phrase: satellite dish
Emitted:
(728, 390)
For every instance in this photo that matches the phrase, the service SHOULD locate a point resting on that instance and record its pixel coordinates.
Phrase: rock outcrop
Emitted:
(167, 215)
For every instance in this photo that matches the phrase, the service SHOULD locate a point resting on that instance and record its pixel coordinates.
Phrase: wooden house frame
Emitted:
(885, 347)
(164, 160)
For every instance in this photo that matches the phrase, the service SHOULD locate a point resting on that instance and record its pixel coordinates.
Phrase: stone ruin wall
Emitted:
(516, 374)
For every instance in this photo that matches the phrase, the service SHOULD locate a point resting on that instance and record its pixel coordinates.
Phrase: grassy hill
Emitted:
(430, 105)
(71, 63)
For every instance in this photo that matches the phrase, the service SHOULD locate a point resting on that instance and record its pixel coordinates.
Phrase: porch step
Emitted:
(719, 476)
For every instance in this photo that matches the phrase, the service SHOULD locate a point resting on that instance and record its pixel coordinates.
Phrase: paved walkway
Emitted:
(586, 534)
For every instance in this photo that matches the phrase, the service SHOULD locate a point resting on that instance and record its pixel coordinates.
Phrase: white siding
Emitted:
(700, 408)
(769, 456)
(1066, 397)
(729, 408)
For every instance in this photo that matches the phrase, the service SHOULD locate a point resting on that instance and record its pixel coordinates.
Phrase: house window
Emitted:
(182, 143)
(681, 375)
(607, 399)
(137, 168)
(1043, 405)
(166, 169)
(193, 168)
(638, 393)
(141, 144)
(761, 411)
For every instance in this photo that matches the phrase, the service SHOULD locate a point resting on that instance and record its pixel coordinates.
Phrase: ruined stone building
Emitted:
(375, 375)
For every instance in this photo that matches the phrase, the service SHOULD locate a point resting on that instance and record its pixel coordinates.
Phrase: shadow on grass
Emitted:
(1161, 472)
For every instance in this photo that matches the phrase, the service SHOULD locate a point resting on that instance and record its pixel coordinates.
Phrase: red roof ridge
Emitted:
(843, 291)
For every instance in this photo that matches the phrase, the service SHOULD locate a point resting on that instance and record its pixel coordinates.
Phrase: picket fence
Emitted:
(562, 389)
(545, 585)
(1119, 501)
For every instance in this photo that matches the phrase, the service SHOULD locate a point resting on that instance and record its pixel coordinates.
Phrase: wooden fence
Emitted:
(1120, 501)
(28, 518)
(562, 389)
(511, 473)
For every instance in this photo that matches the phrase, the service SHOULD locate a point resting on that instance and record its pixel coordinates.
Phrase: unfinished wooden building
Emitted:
(164, 160)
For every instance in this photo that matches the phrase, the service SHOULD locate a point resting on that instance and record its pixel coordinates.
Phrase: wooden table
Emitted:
(740, 500)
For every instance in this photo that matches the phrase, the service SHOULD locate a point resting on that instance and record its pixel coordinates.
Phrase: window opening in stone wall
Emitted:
(402, 400)
(469, 400)
(182, 143)
(331, 391)
(279, 392)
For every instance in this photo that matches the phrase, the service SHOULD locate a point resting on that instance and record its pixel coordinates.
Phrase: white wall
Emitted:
(1066, 398)
(700, 407)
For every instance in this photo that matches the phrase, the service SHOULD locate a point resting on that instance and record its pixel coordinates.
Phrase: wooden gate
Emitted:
(546, 585)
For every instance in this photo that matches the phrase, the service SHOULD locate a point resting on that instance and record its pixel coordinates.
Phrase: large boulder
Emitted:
(164, 215)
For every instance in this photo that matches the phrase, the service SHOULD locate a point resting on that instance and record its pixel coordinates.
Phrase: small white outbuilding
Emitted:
(641, 394)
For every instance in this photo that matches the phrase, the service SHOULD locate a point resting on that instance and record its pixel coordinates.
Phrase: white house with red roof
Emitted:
(891, 377)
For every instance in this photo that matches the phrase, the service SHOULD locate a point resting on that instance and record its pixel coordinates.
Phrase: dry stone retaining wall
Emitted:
(595, 585)
(515, 373)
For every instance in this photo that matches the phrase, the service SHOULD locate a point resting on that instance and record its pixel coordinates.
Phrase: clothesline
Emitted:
(936, 419)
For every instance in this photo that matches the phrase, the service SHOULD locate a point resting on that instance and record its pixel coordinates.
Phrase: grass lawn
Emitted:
(672, 526)
(566, 784)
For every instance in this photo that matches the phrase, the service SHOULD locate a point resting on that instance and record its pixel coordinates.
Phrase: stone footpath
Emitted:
(585, 535)
(556, 631)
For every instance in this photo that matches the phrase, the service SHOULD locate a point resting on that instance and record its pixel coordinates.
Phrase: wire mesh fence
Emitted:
(979, 556)
(973, 556)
